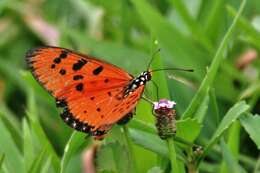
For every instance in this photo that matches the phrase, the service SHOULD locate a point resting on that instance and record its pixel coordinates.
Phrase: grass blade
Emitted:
(2, 158)
(237, 110)
(192, 25)
(251, 125)
(210, 76)
(232, 165)
(38, 162)
(12, 154)
(76, 141)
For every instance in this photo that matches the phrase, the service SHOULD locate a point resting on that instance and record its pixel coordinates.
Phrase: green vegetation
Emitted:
(217, 105)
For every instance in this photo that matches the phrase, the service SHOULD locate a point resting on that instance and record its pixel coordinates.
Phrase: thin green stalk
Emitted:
(214, 104)
(2, 157)
(172, 155)
(130, 149)
(183, 141)
(209, 78)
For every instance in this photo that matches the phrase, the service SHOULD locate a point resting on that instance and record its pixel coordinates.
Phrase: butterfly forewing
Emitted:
(90, 90)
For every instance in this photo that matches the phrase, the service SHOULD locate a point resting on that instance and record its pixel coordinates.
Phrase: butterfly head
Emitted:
(141, 79)
(147, 75)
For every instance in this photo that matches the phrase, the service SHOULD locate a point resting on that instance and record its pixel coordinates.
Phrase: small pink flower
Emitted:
(164, 103)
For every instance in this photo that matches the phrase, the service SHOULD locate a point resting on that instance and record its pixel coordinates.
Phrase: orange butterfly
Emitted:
(94, 94)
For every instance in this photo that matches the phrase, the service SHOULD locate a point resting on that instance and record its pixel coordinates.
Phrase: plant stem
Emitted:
(172, 155)
(130, 149)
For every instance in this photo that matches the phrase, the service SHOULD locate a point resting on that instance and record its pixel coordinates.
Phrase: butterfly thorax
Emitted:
(137, 82)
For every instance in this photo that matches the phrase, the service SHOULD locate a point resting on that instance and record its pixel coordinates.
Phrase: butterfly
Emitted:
(94, 94)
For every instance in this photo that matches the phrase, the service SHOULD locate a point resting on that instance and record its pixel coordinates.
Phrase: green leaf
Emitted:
(2, 158)
(246, 26)
(251, 125)
(6, 118)
(113, 157)
(194, 28)
(214, 18)
(171, 40)
(38, 161)
(214, 105)
(28, 146)
(233, 143)
(11, 152)
(155, 170)
(76, 141)
(149, 141)
(185, 127)
(232, 165)
(142, 125)
(38, 130)
(153, 143)
(202, 109)
(210, 76)
(46, 166)
(235, 112)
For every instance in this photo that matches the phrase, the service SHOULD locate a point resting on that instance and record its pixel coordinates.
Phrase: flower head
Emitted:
(164, 103)
(165, 118)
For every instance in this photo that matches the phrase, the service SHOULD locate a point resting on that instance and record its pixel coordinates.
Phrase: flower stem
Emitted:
(130, 149)
(172, 155)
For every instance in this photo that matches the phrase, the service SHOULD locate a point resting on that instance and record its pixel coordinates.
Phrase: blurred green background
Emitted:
(124, 32)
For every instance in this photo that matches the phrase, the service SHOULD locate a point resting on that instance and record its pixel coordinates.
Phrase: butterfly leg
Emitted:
(126, 118)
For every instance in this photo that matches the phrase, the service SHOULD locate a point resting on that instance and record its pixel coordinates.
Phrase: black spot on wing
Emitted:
(77, 77)
(98, 70)
(79, 64)
(63, 54)
(57, 60)
(62, 71)
(79, 87)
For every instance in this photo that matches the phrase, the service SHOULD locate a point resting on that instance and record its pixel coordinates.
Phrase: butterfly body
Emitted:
(137, 82)
(94, 94)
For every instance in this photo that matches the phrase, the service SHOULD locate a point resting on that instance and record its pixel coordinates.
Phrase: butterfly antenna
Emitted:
(153, 56)
(177, 69)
